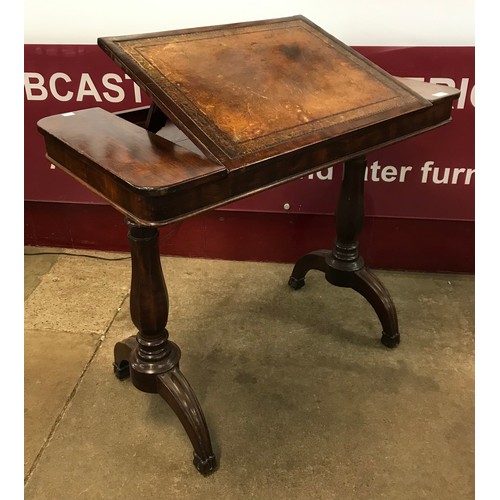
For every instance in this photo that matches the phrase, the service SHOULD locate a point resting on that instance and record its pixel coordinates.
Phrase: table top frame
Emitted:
(155, 181)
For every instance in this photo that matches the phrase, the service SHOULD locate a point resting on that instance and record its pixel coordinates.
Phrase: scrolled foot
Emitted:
(122, 370)
(370, 287)
(296, 283)
(205, 467)
(390, 341)
(313, 260)
(176, 391)
(123, 349)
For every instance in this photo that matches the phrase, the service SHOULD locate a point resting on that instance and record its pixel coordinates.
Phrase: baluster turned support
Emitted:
(150, 358)
(344, 266)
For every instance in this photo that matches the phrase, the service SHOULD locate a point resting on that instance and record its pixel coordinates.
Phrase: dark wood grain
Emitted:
(150, 358)
(153, 181)
(139, 159)
(267, 102)
(343, 266)
(245, 92)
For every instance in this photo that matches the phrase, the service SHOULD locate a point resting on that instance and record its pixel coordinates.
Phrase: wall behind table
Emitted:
(419, 193)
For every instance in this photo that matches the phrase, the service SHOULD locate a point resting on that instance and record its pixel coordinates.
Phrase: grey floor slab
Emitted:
(301, 398)
(78, 295)
(69, 304)
(35, 266)
(54, 361)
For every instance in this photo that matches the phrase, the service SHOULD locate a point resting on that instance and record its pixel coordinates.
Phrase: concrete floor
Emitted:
(301, 398)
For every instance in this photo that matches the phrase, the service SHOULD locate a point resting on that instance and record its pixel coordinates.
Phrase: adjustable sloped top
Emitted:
(247, 92)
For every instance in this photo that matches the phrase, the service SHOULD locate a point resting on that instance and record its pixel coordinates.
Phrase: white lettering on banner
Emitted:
(463, 87)
(387, 174)
(87, 88)
(442, 175)
(53, 88)
(390, 173)
(137, 90)
(35, 91)
(327, 176)
(34, 85)
(111, 86)
(323, 175)
(63, 88)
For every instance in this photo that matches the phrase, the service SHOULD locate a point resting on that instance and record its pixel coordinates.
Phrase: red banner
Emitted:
(429, 176)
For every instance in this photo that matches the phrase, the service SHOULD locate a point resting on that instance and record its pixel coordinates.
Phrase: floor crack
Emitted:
(54, 427)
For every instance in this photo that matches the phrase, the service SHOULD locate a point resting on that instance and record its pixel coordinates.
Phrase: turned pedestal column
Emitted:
(343, 266)
(150, 358)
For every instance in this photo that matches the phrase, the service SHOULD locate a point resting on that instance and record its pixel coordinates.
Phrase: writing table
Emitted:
(256, 104)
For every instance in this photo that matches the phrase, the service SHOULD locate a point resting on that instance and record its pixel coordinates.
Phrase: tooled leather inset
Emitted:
(252, 87)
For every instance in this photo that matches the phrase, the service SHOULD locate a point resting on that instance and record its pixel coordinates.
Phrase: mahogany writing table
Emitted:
(256, 104)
